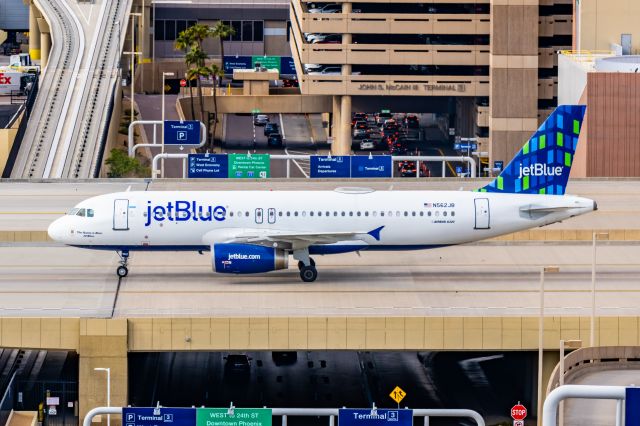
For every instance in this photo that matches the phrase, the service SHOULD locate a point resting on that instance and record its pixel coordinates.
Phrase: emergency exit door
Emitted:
(259, 216)
(482, 213)
(121, 215)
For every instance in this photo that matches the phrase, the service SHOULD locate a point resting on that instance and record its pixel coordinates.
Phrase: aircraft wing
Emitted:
(266, 236)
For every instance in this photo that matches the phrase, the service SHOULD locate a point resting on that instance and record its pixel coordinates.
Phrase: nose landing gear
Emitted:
(122, 270)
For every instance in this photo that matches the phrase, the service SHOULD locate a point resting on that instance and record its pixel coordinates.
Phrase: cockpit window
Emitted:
(89, 212)
(81, 212)
(73, 212)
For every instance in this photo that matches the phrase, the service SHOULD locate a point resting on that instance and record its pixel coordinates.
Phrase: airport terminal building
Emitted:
(495, 58)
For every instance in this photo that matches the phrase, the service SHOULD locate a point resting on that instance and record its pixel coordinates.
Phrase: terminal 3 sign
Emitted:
(413, 87)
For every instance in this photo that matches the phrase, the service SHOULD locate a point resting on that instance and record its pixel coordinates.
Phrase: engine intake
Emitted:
(247, 259)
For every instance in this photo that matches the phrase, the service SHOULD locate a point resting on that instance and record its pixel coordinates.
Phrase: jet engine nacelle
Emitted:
(247, 258)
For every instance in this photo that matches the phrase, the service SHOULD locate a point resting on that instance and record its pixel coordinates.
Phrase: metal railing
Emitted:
(292, 157)
(550, 409)
(330, 413)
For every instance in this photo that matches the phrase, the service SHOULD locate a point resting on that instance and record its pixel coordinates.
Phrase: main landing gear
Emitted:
(122, 270)
(306, 265)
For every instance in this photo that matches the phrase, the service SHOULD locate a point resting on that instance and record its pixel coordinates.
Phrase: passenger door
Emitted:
(482, 213)
(121, 215)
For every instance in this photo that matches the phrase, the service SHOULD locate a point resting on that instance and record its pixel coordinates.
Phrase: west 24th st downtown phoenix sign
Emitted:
(196, 416)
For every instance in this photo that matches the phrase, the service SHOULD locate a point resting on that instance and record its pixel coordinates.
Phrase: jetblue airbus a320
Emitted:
(256, 231)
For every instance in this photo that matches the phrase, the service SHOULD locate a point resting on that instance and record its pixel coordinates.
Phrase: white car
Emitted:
(327, 71)
(261, 120)
(367, 144)
(328, 8)
(313, 67)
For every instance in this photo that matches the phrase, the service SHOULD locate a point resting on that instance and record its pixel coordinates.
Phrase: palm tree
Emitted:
(185, 42)
(195, 58)
(222, 31)
(190, 40)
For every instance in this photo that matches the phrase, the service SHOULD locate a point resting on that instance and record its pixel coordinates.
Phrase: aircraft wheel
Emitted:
(301, 263)
(122, 271)
(308, 274)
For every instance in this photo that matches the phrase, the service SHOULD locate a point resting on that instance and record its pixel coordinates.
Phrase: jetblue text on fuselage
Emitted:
(539, 170)
(183, 211)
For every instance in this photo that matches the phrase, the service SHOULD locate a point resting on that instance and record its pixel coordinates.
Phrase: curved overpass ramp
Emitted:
(66, 131)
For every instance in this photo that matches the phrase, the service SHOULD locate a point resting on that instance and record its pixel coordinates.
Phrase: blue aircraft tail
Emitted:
(542, 166)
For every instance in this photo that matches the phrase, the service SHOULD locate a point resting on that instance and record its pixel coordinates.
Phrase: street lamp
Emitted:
(133, 89)
(108, 370)
(569, 344)
(544, 270)
(592, 333)
(164, 74)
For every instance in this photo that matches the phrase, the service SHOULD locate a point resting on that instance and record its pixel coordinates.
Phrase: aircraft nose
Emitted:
(55, 230)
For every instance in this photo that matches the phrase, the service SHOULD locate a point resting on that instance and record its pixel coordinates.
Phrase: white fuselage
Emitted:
(409, 219)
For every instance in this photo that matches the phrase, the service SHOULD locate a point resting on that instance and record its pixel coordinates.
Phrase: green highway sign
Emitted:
(249, 166)
(240, 417)
(255, 111)
(386, 111)
(269, 62)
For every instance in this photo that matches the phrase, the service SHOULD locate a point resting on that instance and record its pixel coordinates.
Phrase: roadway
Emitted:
(72, 108)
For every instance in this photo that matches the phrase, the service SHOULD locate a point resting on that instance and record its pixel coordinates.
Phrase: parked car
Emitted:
(270, 128)
(313, 67)
(275, 140)
(327, 71)
(327, 8)
(329, 38)
(260, 119)
(367, 144)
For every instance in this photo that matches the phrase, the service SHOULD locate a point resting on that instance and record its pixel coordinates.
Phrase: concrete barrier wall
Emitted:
(585, 360)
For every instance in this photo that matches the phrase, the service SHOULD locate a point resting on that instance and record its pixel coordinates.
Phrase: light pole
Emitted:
(108, 370)
(592, 329)
(164, 74)
(569, 344)
(133, 89)
(544, 270)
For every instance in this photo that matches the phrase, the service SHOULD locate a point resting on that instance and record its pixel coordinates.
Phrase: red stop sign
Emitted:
(183, 83)
(518, 412)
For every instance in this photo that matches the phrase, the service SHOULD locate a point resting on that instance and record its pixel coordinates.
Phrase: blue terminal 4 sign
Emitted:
(158, 416)
(376, 166)
(186, 133)
(378, 417)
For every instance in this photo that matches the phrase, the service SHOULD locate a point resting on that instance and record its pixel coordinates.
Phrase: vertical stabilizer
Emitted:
(543, 164)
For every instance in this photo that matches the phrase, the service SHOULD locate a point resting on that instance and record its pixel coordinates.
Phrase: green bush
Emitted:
(121, 165)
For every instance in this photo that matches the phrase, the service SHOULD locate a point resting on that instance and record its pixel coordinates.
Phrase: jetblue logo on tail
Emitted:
(539, 170)
(543, 164)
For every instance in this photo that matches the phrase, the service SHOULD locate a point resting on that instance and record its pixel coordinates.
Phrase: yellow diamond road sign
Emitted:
(397, 394)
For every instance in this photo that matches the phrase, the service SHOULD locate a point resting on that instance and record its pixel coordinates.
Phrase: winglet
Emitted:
(376, 233)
